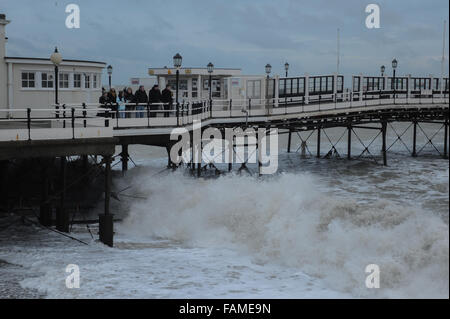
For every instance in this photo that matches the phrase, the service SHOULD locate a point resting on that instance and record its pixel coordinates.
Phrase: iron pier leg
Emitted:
(318, 142)
(124, 157)
(169, 161)
(414, 154)
(289, 141)
(199, 164)
(383, 150)
(349, 143)
(45, 212)
(62, 215)
(259, 154)
(446, 139)
(106, 224)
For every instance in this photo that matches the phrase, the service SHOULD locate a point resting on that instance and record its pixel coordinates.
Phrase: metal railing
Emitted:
(96, 120)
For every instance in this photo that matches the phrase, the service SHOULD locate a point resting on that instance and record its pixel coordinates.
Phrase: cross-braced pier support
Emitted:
(106, 224)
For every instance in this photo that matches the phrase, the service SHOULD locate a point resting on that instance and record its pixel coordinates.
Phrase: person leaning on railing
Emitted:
(167, 99)
(154, 97)
(141, 98)
(128, 97)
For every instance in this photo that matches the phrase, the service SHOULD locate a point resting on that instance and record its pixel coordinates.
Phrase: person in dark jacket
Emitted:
(112, 101)
(128, 99)
(140, 97)
(104, 98)
(167, 99)
(154, 97)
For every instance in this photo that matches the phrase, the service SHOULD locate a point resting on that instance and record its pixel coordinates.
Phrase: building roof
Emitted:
(194, 71)
(47, 61)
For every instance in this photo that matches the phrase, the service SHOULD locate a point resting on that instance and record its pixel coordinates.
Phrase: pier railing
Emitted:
(160, 115)
(68, 122)
(74, 121)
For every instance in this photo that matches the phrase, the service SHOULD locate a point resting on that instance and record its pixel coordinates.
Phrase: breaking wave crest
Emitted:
(289, 220)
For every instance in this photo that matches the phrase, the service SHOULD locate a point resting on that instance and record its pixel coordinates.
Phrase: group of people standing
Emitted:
(127, 103)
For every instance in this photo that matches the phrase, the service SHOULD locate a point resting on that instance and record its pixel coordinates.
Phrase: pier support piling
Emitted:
(62, 215)
(349, 142)
(414, 153)
(289, 141)
(106, 224)
(124, 157)
(318, 142)
(446, 139)
(383, 134)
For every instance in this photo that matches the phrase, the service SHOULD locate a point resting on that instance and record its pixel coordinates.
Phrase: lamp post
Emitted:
(383, 68)
(268, 70)
(210, 68)
(394, 66)
(177, 59)
(56, 60)
(110, 69)
(286, 68)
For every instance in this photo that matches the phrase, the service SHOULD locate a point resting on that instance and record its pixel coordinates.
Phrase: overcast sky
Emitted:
(134, 35)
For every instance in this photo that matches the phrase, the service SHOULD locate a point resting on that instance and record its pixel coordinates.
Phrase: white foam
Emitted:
(287, 221)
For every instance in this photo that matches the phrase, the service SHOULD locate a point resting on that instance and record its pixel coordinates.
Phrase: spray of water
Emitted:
(287, 220)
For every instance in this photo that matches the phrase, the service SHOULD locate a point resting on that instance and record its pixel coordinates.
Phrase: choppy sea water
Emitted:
(307, 232)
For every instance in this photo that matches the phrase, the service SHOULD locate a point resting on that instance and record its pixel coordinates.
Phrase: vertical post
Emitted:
(318, 142)
(414, 154)
(106, 225)
(230, 147)
(176, 96)
(395, 84)
(29, 123)
(446, 139)
(306, 97)
(124, 157)
(210, 95)
(289, 141)
(258, 144)
(199, 164)
(62, 216)
(72, 115)
(349, 142)
(56, 87)
(383, 150)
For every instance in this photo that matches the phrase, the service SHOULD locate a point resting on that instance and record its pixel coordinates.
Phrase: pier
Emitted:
(87, 130)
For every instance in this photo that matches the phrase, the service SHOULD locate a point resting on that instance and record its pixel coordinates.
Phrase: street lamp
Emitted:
(286, 67)
(383, 68)
(109, 68)
(394, 66)
(56, 59)
(177, 59)
(268, 70)
(210, 68)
